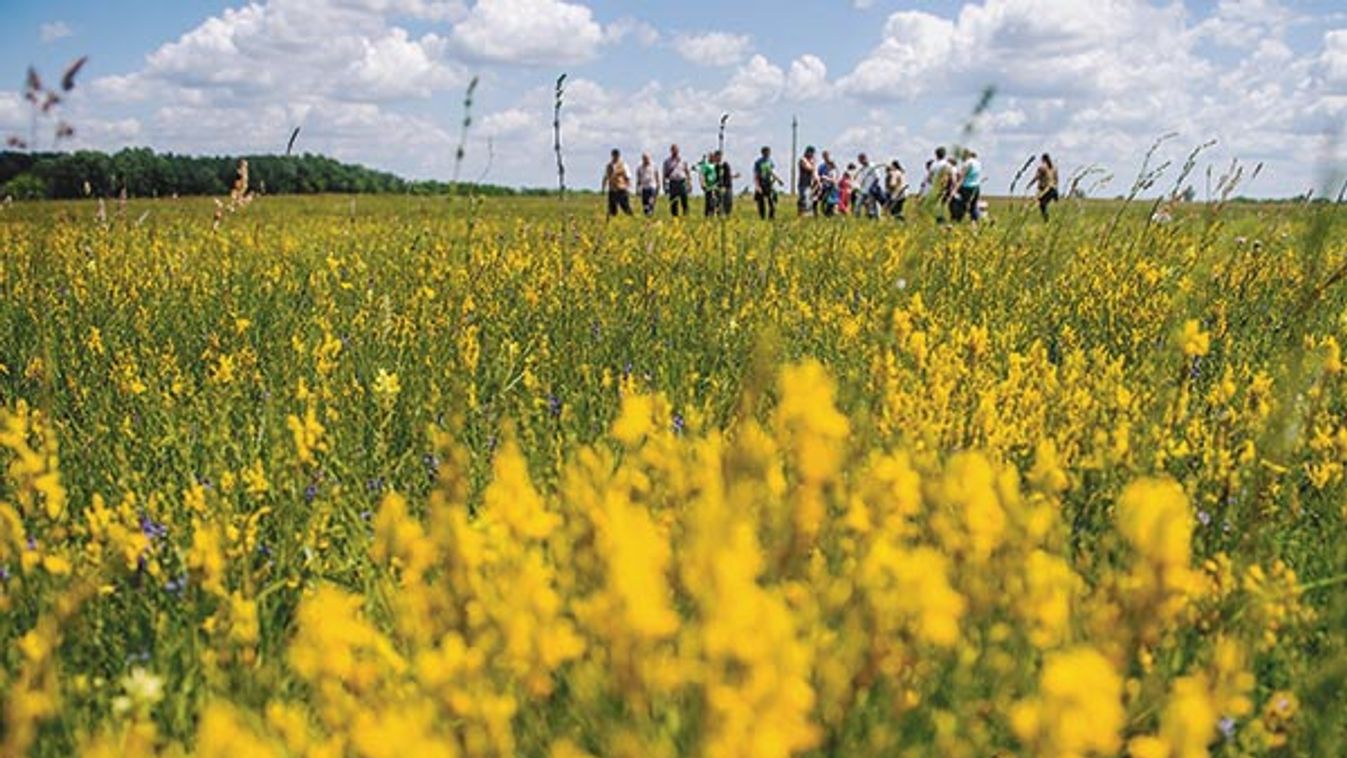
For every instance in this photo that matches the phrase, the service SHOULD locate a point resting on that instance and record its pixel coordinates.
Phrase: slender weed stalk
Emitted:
(556, 135)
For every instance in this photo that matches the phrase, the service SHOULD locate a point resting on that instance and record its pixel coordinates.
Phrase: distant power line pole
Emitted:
(720, 138)
(794, 145)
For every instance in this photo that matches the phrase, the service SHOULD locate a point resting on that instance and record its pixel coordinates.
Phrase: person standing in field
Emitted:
(676, 178)
(871, 197)
(895, 186)
(827, 184)
(765, 180)
(617, 181)
(940, 185)
(969, 188)
(1045, 179)
(647, 182)
(725, 177)
(845, 183)
(706, 176)
(807, 184)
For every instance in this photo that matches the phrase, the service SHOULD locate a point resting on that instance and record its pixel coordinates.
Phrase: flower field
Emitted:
(405, 477)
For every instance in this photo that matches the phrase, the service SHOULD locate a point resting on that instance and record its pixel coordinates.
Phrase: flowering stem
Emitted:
(1324, 583)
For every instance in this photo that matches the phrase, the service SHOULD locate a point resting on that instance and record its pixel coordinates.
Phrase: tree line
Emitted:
(141, 172)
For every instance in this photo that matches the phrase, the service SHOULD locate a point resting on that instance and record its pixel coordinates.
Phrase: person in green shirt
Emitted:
(706, 173)
(765, 180)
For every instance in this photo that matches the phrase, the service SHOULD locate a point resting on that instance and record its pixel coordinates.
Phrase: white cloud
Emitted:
(755, 84)
(1242, 24)
(807, 78)
(1334, 57)
(55, 30)
(292, 50)
(529, 32)
(621, 29)
(713, 48)
(914, 48)
(394, 67)
(1028, 46)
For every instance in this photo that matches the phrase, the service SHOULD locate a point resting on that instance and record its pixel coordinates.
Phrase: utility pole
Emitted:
(794, 145)
(720, 139)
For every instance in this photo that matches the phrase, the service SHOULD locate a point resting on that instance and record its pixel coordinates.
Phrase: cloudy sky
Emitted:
(381, 82)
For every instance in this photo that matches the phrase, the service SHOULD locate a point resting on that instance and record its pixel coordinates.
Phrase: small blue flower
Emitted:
(678, 423)
(310, 492)
(554, 405)
(1204, 518)
(1227, 727)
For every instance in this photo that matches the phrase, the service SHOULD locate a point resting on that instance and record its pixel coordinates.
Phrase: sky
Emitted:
(382, 82)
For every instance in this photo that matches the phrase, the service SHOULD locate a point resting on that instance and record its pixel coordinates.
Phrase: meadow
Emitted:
(441, 476)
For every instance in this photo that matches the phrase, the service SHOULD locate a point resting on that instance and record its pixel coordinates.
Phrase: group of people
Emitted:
(953, 185)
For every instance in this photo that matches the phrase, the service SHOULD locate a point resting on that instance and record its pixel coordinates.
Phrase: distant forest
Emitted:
(141, 172)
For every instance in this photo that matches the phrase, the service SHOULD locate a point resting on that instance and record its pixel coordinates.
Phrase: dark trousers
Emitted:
(725, 201)
(678, 196)
(1044, 199)
(712, 202)
(648, 201)
(896, 207)
(766, 204)
(965, 201)
(619, 200)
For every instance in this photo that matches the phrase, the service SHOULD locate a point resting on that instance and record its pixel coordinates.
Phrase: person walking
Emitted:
(706, 175)
(845, 186)
(1045, 179)
(940, 185)
(895, 186)
(827, 184)
(617, 182)
(647, 183)
(725, 177)
(969, 188)
(765, 180)
(676, 181)
(807, 185)
(872, 191)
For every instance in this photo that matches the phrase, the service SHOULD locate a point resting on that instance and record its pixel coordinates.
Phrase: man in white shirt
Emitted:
(870, 186)
(676, 178)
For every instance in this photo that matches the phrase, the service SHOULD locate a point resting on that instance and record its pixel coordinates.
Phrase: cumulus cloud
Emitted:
(1243, 23)
(753, 85)
(808, 78)
(528, 31)
(55, 30)
(1028, 46)
(628, 27)
(1333, 59)
(713, 48)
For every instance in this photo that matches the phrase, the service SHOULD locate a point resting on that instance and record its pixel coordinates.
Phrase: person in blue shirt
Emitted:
(827, 182)
(765, 180)
(968, 185)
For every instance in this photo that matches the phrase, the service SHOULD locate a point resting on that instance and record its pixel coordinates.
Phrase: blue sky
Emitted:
(381, 81)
